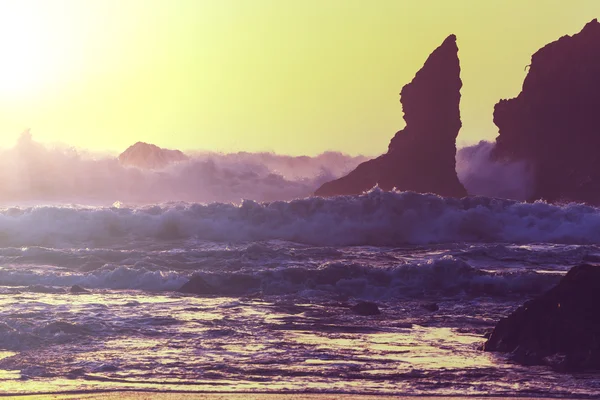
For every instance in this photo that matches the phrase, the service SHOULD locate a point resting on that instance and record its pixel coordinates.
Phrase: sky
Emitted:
(292, 77)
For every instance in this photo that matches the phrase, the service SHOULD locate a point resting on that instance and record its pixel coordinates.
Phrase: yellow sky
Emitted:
(296, 77)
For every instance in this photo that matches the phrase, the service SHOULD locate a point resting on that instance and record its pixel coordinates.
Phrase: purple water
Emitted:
(284, 275)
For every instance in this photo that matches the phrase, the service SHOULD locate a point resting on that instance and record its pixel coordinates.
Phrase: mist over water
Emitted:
(218, 197)
(483, 176)
(32, 173)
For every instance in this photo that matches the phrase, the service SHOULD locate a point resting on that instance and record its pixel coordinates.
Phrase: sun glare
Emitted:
(25, 55)
(18, 71)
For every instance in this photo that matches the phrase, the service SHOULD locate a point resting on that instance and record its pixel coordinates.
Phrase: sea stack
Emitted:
(421, 157)
(554, 123)
(149, 156)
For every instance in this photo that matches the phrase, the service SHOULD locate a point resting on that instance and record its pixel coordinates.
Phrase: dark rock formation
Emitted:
(554, 123)
(45, 289)
(560, 328)
(227, 285)
(78, 289)
(197, 285)
(366, 308)
(149, 156)
(421, 157)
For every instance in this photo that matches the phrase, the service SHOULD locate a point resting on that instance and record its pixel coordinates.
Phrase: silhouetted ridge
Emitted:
(150, 156)
(421, 157)
(554, 123)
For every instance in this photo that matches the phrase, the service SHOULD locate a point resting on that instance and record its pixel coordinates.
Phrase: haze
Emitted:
(262, 75)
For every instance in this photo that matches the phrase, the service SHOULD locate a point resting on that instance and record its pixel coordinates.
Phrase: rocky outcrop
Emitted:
(76, 289)
(366, 308)
(149, 156)
(197, 285)
(228, 285)
(421, 157)
(560, 328)
(554, 123)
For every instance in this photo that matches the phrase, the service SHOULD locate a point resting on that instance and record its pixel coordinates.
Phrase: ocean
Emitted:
(282, 278)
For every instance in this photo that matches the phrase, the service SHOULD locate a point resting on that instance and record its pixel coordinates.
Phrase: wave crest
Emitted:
(377, 218)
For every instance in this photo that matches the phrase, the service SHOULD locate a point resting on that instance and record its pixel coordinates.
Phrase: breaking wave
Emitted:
(377, 218)
(481, 175)
(445, 275)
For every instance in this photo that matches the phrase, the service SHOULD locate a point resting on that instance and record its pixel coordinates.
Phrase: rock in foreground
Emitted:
(554, 123)
(560, 328)
(421, 157)
(149, 156)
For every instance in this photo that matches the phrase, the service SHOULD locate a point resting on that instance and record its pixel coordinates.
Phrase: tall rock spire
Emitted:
(421, 157)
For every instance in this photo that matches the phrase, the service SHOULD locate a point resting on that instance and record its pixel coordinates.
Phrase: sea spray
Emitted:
(377, 218)
(483, 176)
(32, 173)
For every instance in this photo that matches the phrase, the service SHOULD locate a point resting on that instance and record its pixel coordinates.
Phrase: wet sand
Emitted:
(241, 396)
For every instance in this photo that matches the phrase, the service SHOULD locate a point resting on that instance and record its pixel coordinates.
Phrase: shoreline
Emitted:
(189, 395)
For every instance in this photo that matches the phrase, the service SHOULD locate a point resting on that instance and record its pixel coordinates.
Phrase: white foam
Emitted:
(376, 218)
(107, 277)
(438, 275)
